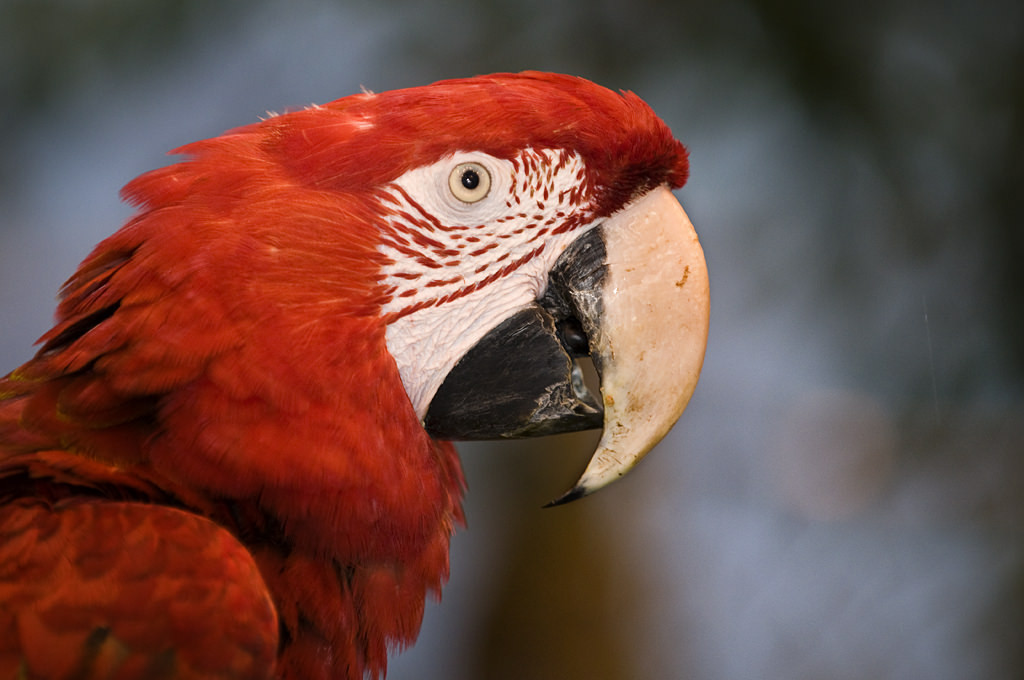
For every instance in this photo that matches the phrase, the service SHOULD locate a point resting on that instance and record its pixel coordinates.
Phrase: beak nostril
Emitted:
(573, 337)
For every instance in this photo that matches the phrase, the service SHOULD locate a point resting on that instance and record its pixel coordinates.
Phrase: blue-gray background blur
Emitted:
(843, 499)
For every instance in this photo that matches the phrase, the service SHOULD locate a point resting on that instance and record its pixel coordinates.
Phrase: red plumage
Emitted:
(213, 437)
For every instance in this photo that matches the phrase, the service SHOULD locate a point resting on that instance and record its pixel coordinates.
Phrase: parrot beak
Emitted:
(648, 345)
(632, 293)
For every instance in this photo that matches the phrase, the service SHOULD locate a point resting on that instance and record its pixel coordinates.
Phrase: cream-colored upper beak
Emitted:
(652, 334)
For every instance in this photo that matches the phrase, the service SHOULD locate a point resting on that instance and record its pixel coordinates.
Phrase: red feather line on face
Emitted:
(461, 258)
(227, 345)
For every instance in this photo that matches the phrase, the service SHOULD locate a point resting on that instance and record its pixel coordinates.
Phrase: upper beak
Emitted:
(649, 340)
(633, 294)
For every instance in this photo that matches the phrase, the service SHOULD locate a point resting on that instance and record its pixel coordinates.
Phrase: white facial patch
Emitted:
(457, 269)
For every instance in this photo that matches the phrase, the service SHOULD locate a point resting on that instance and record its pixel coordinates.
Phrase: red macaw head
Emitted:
(484, 233)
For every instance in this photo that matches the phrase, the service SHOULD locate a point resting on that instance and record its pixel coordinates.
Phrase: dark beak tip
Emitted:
(573, 494)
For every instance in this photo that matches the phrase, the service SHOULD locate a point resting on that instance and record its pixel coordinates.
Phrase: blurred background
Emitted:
(844, 498)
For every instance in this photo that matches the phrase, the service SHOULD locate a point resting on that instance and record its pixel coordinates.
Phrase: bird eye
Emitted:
(469, 182)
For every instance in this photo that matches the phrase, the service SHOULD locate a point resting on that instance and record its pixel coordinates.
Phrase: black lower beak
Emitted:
(521, 379)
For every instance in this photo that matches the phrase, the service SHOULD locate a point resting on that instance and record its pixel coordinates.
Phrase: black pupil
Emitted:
(470, 179)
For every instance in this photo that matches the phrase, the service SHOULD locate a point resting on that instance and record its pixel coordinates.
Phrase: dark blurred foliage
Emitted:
(887, 228)
(48, 45)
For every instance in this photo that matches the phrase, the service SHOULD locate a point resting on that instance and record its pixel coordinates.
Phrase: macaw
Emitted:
(231, 457)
